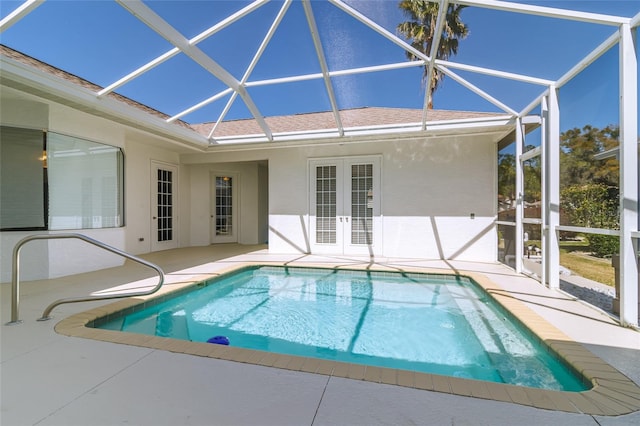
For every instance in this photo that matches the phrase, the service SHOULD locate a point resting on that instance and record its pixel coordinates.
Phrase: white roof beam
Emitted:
(200, 105)
(435, 44)
(323, 63)
(377, 68)
(635, 21)
(146, 67)
(477, 90)
(351, 71)
(537, 101)
(155, 22)
(223, 114)
(589, 59)
(550, 12)
(254, 62)
(292, 79)
(495, 73)
(20, 12)
(379, 29)
(171, 53)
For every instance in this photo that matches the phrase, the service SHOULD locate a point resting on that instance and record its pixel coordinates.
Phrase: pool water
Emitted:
(440, 324)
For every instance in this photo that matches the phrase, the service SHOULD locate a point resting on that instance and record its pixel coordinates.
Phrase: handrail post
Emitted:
(15, 275)
(15, 284)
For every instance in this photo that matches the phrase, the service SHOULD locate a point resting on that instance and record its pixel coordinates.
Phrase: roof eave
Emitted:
(501, 125)
(31, 80)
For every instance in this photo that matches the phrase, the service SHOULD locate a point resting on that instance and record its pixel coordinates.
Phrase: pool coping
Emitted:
(612, 394)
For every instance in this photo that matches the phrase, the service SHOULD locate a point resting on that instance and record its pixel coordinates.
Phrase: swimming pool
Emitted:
(440, 324)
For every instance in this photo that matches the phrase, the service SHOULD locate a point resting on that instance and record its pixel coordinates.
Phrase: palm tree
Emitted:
(419, 30)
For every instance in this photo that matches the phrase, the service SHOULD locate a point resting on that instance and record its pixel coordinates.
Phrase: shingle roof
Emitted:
(314, 121)
(49, 69)
(297, 123)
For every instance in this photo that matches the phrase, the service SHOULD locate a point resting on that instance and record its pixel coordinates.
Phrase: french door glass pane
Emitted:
(165, 205)
(326, 204)
(224, 205)
(361, 204)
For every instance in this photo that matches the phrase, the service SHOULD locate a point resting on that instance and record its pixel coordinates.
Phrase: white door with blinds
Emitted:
(344, 211)
(224, 208)
(164, 201)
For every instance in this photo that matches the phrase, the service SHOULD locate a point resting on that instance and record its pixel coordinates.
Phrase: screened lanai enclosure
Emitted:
(308, 126)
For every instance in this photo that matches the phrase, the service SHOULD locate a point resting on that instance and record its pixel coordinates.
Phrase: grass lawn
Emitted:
(590, 267)
(574, 255)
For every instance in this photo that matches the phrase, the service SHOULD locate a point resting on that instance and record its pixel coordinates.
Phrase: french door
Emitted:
(164, 186)
(224, 208)
(344, 211)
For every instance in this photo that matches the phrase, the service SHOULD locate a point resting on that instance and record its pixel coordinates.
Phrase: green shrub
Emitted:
(603, 245)
(592, 205)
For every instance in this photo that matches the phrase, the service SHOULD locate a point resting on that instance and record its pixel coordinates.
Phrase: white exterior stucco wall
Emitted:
(139, 157)
(247, 204)
(54, 258)
(430, 189)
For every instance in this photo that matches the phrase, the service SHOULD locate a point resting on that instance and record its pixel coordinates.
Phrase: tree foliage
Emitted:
(590, 193)
(532, 180)
(592, 205)
(419, 30)
(578, 149)
(507, 177)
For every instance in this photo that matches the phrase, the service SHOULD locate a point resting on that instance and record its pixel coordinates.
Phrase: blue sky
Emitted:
(101, 42)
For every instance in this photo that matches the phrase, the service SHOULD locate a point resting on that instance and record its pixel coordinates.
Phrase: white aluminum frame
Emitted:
(20, 12)
(547, 100)
(629, 220)
(254, 62)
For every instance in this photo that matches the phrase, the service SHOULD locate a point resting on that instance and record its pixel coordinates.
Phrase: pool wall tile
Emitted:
(498, 392)
(295, 363)
(356, 371)
(310, 365)
(542, 399)
(372, 374)
(584, 405)
(613, 393)
(325, 367)
(340, 369)
(563, 403)
(200, 349)
(281, 361)
(388, 376)
(459, 386)
(518, 395)
(479, 389)
(624, 387)
(625, 399)
(608, 406)
(441, 384)
(255, 357)
(423, 381)
(268, 359)
(405, 378)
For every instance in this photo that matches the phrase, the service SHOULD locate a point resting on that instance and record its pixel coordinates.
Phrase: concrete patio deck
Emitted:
(50, 379)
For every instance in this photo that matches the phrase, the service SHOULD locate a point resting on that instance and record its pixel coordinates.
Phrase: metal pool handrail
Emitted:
(15, 274)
